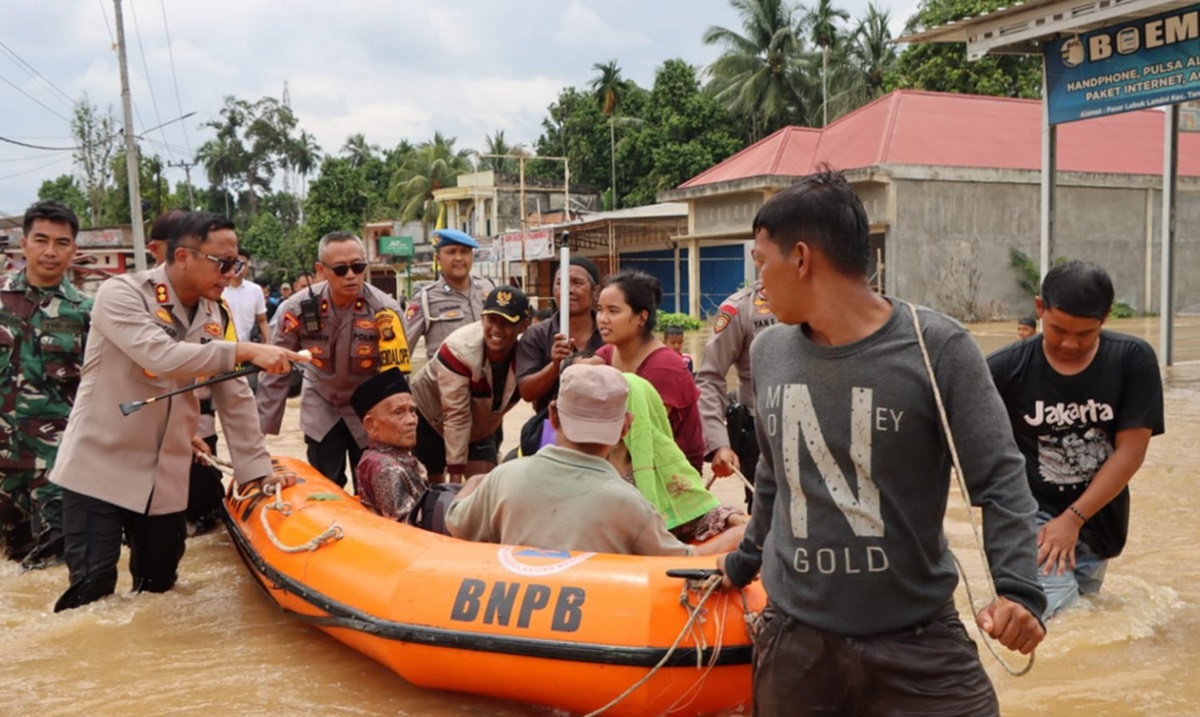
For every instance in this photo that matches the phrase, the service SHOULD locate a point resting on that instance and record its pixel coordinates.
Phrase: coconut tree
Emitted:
(866, 59)
(759, 74)
(609, 87)
(823, 25)
(432, 165)
(222, 159)
(499, 154)
(358, 149)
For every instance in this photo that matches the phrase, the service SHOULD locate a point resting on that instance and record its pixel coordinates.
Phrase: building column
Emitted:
(694, 277)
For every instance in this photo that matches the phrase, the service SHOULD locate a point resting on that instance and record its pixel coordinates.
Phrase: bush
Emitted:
(684, 321)
(1121, 310)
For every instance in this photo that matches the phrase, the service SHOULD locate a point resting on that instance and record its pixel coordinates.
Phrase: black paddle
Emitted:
(128, 408)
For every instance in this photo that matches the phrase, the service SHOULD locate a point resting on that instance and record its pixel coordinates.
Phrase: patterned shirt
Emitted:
(390, 480)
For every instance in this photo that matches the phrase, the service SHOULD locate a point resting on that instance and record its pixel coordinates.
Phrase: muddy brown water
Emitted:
(216, 645)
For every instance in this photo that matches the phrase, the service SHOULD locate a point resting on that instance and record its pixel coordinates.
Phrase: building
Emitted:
(951, 186)
(485, 204)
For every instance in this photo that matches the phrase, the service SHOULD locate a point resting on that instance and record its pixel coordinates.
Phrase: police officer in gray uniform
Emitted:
(454, 300)
(353, 332)
(732, 445)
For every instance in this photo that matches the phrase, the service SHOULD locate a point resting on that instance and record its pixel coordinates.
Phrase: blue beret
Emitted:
(454, 236)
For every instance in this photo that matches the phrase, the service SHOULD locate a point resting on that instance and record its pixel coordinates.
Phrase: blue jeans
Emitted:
(1064, 590)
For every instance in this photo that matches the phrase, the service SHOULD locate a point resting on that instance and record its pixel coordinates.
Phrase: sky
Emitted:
(391, 69)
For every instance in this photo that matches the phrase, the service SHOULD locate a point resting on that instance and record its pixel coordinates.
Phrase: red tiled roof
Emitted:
(949, 130)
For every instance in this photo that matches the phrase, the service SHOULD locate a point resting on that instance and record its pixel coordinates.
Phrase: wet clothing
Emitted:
(665, 370)
(1065, 426)
(930, 669)
(536, 346)
(854, 478)
(390, 481)
(348, 347)
(143, 342)
(739, 319)
(562, 499)
(438, 310)
(462, 396)
(42, 338)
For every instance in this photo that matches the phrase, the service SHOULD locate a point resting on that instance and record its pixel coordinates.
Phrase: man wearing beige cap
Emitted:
(568, 496)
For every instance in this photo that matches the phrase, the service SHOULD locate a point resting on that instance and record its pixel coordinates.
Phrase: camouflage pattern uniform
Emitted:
(42, 332)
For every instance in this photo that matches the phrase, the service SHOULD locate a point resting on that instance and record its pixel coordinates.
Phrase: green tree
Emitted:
(98, 142)
(575, 128)
(824, 26)
(253, 140)
(265, 238)
(609, 87)
(337, 199)
(358, 149)
(684, 131)
(432, 165)
(66, 189)
(495, 147)
(943, 67)
(155, 191)
(760, 77)
(864, 63)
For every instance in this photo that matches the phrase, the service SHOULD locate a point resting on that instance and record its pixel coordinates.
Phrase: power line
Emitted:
(36, 100)
(103, 11)
(35, 169)
(137, 31)
(38, 146)
(61, 95)
(174, 77)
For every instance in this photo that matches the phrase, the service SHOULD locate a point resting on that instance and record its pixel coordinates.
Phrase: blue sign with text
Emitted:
(1144, 63)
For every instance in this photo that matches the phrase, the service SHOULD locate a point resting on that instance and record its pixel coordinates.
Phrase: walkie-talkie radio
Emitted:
(310, 313)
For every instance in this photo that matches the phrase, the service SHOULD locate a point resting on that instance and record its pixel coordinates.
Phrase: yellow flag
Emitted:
(441, 220)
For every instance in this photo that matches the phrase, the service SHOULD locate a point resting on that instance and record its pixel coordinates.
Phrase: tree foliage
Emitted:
(97, 140)
(943, 67)
(66, 189)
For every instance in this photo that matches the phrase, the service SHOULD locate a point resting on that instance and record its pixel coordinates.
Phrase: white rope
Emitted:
(710, 585)
(737, 474)
(962, 486)
(333, 533)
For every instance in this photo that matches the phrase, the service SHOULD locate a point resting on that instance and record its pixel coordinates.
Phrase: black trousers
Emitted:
(93, 529)
(205, 493)
(328, 455)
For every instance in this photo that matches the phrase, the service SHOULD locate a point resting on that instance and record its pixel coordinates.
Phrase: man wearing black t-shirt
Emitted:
(1083, 403)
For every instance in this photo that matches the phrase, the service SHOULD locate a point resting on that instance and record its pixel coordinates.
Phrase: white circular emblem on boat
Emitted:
(513, 560)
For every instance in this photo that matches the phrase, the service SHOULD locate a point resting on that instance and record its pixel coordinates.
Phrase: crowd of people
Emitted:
(851, 407)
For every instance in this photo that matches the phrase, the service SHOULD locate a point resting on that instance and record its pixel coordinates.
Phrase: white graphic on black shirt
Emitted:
(1072, 458)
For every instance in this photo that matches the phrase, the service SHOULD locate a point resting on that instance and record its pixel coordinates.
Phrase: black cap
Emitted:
(587, 265)
(378, 387)
(507, 301)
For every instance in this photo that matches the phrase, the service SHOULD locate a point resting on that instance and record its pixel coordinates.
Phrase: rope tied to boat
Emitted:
(332, 533)
(706, 587)
(962, 487)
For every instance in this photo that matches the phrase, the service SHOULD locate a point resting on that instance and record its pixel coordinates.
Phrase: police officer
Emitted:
(454, 300)
(732, 446)
(43, 323)
(353, 331)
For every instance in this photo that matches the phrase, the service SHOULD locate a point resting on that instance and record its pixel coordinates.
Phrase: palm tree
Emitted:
(222, 160)
(432, 165)
(758, 76)
(356, 146)
(868, 58)
(823, 23)
(302, 155)
(499, 154)
(609, 86)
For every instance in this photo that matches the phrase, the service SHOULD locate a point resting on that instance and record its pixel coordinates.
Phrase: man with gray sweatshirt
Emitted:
(852, 485)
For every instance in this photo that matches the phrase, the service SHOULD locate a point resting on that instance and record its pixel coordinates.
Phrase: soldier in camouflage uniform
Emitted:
(43, 323)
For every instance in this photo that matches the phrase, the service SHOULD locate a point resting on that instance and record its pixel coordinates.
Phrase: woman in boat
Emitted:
(627, 312)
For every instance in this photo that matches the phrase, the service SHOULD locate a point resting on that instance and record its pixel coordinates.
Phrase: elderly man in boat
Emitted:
(568, 496)
(390, 478)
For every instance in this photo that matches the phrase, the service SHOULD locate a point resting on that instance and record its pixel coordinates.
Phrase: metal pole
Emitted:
(1166, 321)
(564, 283)
(612, 150)
(1049, 182)
(131, 153)
(524, 264)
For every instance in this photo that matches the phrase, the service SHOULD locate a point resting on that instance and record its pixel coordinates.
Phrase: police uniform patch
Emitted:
(160, 293)
(165, 316)
(366, 363)
(212, 328)
(365, 350)
(413, 309)
(764, 309)
(364, 324)
(358, 305)
(759, 301)
(727, 312)
(318, 363)
(324, 306)
(503, 297)
(316, 350)
(451, 314)
(147, 374)
(289, 323)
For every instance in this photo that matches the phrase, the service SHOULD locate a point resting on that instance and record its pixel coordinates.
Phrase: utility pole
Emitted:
(131, 153)
(187, 170)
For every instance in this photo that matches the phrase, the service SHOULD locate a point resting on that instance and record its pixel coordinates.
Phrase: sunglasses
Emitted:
(223, 265)
(340, 270)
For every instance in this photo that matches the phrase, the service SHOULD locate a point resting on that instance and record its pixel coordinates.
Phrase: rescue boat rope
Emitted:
(962, 486)
(333, 533)
(709, 586)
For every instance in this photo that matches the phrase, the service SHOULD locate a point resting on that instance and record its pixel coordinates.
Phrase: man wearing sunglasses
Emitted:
(353, 331)
(152, 333)
(454, 300)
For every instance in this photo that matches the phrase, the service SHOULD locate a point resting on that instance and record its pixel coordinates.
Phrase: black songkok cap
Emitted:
(377, 388)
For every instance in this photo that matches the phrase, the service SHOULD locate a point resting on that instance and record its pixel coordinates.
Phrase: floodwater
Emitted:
(216, 645)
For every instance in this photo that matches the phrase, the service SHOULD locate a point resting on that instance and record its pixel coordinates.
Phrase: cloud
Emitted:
(583, 28)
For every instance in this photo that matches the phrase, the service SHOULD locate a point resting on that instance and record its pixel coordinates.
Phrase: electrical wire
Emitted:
(174, 77)
(112, 40)
(38, 146)
(61, 96)
(35, 169)
(41, 104)
(137, 31)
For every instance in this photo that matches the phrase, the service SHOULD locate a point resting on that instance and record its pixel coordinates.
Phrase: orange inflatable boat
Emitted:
(572, 631)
